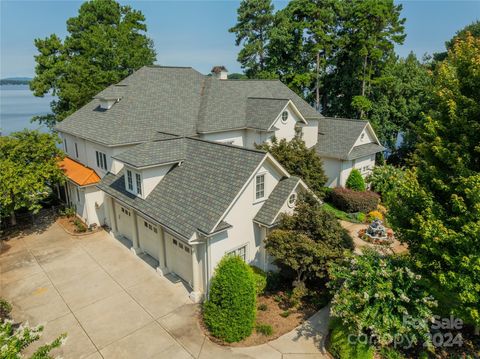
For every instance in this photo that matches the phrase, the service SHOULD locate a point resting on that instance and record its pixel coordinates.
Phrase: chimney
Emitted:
(219, 72)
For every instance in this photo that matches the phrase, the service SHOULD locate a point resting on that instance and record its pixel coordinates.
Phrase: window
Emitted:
(138, 181)
(101, 160)
(284, 116)
(291, 200)
(129, 180)
(260, 187)
(241, 252)
(65, 147)
(362, 136)
(126, 211)
(150, 226)
(174, 242)
(78, 194)
(76, 150)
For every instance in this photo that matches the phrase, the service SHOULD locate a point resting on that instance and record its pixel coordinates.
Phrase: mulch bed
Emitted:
(271, 316)
(67, 223)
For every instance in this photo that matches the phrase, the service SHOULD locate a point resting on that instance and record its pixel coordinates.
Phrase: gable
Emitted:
(366, 136)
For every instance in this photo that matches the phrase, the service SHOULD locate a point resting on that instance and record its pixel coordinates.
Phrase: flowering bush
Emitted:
(382, 298)
(15, 338)
(374, 215)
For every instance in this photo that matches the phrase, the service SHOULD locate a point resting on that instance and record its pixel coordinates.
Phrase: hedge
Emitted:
(260, 279)
(353, 201)
(229, 312)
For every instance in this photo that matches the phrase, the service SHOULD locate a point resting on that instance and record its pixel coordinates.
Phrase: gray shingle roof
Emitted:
(174, 100)
(225, 103)
(336, 136)
(364, 150)
(195, 195)
(261, 112)
(269, 211)
(153, 99)
(154, 153)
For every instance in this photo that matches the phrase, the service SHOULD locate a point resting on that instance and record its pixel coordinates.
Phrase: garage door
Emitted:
(124, 221)
(149, 237)
(180, 262)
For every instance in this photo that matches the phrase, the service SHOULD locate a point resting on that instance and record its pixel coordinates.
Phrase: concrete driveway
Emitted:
(113, 305)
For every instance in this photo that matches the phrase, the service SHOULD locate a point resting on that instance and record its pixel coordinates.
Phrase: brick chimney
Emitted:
(219, 72)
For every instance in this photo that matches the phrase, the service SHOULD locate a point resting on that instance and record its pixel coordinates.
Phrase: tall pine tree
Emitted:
(105, 43)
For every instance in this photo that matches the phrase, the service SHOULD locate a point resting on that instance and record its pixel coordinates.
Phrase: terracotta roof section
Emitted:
(78, 173)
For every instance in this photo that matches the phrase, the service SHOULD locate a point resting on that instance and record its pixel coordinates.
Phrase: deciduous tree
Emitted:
(29, 166)
(437, 209)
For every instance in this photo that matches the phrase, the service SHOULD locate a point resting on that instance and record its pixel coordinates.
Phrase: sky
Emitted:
(195, 33)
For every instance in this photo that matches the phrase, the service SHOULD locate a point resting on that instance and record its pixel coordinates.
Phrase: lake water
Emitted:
(18, 106)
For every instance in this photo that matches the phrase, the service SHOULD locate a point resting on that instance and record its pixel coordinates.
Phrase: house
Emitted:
(166, 158)
(344, 144)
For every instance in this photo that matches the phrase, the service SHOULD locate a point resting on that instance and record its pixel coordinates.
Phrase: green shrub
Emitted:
(384, 180)
(265, 329)
(285, 314)
(80, 227)
(274, 281)
(263, 307)
(373, 293)
(355, 181)
(339, 345)
(391, 353)
(260, 278)
(68, 212)
(229, 312)
(352, 201)
(298, 292)
(5, 309)
(361, 217)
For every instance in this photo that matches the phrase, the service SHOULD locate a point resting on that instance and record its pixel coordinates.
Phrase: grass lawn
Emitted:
(339, 214)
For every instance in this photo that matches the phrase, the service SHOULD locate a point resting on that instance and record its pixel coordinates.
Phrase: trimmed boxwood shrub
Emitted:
(229, 312)
(355, 181)
(353, 201)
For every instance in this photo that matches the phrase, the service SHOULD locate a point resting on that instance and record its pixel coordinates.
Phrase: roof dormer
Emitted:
(145, 165)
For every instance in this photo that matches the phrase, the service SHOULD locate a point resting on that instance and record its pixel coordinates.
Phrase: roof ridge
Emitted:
(168, 67)
(269, 98)
(225, 145)
(345, 119)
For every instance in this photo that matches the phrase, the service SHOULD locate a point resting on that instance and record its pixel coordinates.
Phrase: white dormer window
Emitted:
(291, 200)
(129, 180)
(138, 182)
(260, 187)
(284, 116)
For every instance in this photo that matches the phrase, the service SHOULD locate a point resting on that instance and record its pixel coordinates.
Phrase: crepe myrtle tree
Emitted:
(29, 166)
(380, 296)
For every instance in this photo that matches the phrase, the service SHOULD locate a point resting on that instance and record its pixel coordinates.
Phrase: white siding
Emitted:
(332, 166)
(255, 137)
(152, 176)
(310, 133)
(240, 216)
(365, 137)
(365, 164)
(286, 130)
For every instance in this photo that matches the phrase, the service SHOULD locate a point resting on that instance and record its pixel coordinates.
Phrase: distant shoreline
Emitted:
(14, 82)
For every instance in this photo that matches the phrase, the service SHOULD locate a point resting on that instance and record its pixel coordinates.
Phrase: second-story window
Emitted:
(76, 150)
(260, 186)
(138, 182)
(101, 160)
(65, 145)
(129, 180)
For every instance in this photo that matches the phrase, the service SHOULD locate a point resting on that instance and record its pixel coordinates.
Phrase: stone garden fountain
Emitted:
(377, 233)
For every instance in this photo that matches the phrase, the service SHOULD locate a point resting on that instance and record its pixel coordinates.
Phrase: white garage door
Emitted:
(149, 237)
(180, 260)
(124, 221)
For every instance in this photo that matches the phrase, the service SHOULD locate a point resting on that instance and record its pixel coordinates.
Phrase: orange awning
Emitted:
(78, 173)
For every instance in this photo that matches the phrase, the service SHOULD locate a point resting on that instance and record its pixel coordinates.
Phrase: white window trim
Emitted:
(261, 199)
(101, 160)
(138, 184)
(291, 205)
(235, 249)
(281, 116)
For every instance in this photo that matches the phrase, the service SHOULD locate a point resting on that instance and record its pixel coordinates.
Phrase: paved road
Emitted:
(113, 305)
